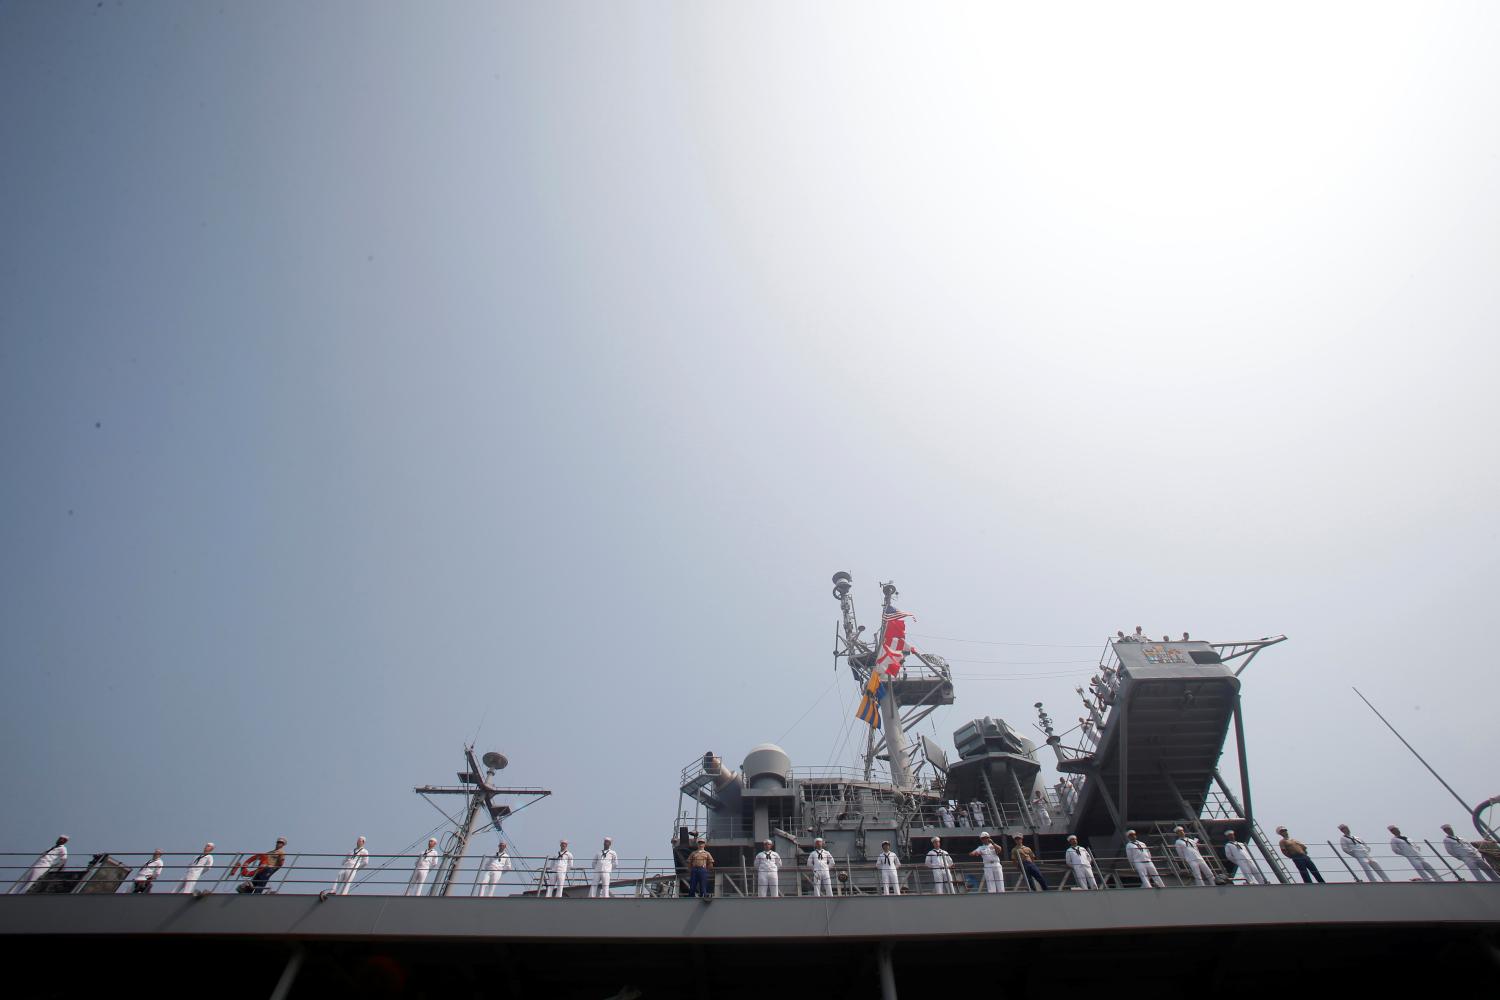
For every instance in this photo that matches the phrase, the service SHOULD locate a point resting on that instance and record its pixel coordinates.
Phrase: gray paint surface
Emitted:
(861, 918)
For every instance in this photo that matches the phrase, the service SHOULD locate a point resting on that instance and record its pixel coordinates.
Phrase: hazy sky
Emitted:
(376, 375)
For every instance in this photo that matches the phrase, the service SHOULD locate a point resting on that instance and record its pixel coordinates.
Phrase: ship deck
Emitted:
(1236, 939)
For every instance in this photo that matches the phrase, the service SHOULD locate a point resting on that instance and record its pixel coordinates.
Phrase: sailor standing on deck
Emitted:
(604, 867)
(494, 870)
(976, 812)
(425, 863)
(1297, 851)
(940, 863)
(1478, 866)
(1360, 851)
(1082, 863)
(195, 871)
(821, 863)
(888, 864)
(768, 871)
(1039, 808)
(1138, 853)
(1238, 855)
(557, 868)
(1187, 850)
(357, 859)
(150, 872)
(1411, 852)
(945, 815)
(994, 872)
(50, 861)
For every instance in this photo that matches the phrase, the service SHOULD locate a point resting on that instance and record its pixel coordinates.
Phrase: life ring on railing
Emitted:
(244, 868)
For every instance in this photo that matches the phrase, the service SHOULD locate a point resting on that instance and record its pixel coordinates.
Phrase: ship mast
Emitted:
(862, 661)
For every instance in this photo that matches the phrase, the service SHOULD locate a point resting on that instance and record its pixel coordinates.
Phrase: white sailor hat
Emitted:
(985, 835)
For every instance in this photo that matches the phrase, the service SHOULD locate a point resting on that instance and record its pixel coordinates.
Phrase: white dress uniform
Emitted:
(821, 863)
(150, 872)
(1471, 857)
(1043, 814)
(1187, 850)
(994, 871)
(194, 872)
(50, 861)
(1238, 855)
(768, 874)
(494, 872)
(887, 864)
(946, 816)
(1139, 856)
(557, 872)
(976, 812)
(420, 870)
(1360, 851)
(1082, 863)
(356, 859)
(941, 864)
(1411, 852)
(604, 869)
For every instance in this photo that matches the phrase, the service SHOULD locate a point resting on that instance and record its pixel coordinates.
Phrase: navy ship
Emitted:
(1146, 758)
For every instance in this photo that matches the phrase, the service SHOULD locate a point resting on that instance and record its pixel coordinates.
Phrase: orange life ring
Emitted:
(258, 860)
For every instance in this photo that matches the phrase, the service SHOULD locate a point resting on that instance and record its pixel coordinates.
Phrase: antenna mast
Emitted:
(481, 795)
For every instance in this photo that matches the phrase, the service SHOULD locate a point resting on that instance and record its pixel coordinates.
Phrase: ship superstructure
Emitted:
(1146, 756)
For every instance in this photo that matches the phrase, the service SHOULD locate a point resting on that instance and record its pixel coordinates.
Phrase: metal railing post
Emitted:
(1340, 856)
(1444, 860)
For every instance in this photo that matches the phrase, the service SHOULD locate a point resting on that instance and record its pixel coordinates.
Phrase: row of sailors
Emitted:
(957, 815)
(1140, 636)
(821, 861)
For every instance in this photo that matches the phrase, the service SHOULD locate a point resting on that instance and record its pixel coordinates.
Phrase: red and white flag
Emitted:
(893, 647)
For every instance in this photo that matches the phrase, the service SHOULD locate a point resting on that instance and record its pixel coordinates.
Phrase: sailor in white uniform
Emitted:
(1469, 855)
(976, 812)
(494, 870)
(1187, 850)
(820, 861)
(1411, 852)
(1360, 851)
(945, 815)
(425, 863)
(604, 868)
(994, 872)
(1138, 853)
(768, 871)
(149, 873)
(557, 869)
(940, 863)
(201, 864)
(1081, 862)
(51, 860)
(353, 862)
(887, 864)
(1238, 855)
(1039, 808)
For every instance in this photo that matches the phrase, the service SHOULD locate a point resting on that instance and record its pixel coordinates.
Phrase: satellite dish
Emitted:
(495, 761)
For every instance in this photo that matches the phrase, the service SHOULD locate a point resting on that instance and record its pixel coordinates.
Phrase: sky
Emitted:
(377, 378)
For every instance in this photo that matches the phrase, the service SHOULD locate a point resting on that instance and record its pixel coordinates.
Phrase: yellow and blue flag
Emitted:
(869, 705)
